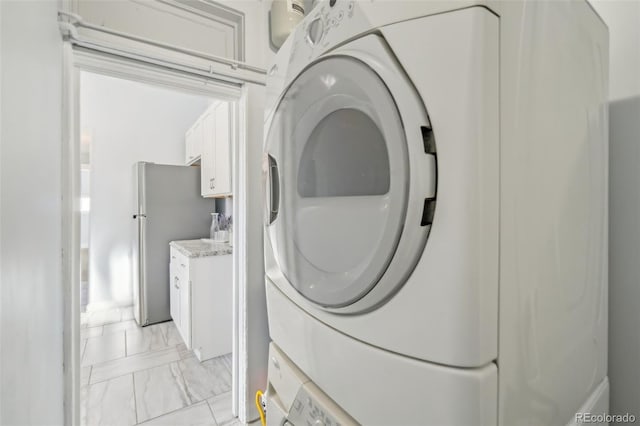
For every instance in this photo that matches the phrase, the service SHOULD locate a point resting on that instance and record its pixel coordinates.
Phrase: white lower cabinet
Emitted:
(201, 302)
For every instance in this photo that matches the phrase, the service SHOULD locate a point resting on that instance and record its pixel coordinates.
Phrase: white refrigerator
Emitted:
(168, 207)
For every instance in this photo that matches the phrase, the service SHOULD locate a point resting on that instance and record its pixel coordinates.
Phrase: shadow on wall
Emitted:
(624, 245)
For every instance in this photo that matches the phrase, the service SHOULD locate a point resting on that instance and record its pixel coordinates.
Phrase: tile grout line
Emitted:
(173, 412)
(135, 400)
(82, 352)
(211, 411)
(177, 409)
(186, 386)
(95, 337)
(131, 372)
(90, 375)
(164, 333)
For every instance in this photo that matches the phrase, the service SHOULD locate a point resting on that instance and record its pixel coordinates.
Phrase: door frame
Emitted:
(246, 96)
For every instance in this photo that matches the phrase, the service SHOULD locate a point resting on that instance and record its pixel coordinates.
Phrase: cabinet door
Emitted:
(222, 150)
(207, 162)
(188, 146)
(174, 298)
(185, 311)
(194, 141)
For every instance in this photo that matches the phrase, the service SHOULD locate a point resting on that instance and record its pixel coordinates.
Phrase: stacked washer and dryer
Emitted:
(436, 221)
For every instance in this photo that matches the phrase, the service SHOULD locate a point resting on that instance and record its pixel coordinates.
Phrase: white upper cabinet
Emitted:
(207, 166)
(208, 142)
(222, 145)
(193, 143)
(216, 150)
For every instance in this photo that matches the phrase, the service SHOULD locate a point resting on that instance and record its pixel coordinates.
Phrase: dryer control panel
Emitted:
(329, 15)
(323, 28)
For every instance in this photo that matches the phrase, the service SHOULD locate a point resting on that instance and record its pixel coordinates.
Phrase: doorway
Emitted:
(116, 313)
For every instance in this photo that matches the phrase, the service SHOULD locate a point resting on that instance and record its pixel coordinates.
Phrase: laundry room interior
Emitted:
(319, 212)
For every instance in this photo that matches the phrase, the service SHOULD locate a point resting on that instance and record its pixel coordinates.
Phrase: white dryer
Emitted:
(400, 146)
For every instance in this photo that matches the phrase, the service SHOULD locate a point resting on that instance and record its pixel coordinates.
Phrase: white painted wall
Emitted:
(31, 350)
(623, 19)
(128, 122)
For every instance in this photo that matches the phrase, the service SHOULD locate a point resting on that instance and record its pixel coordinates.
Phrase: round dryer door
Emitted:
(339, 182)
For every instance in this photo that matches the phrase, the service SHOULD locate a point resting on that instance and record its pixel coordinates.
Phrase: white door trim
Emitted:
(71, 236)
(126, 40)
(76, 59)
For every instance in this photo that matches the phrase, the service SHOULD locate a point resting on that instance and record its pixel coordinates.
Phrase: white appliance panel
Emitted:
(378, 387)
(518, 244)
(446, 311)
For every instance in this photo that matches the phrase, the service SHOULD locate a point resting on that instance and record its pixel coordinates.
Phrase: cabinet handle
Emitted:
(182, 264)
(175, 283)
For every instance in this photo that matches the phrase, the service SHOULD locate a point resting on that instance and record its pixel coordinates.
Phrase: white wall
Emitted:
(31, 376)
(127, 122)
(623, 19)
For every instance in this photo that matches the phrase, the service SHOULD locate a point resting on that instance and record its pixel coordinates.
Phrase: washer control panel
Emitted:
(294, 400)
(307, 410)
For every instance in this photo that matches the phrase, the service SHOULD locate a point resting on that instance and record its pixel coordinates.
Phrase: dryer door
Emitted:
(339, 181)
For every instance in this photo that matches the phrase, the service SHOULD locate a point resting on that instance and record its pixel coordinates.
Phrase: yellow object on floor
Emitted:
(260, 409)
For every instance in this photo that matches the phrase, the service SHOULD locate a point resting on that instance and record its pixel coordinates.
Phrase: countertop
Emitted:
(201, 248)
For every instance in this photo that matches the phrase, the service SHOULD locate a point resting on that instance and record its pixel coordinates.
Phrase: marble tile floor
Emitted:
(133, 375)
